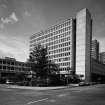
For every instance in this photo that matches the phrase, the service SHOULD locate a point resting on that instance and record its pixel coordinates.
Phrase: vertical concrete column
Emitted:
(0, 74)
(83, 44)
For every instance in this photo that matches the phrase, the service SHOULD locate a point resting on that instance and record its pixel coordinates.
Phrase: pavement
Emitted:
(33, 88)
(38, 88)
(84, 95)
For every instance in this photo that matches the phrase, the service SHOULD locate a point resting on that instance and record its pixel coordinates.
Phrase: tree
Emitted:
(42, 66)
(39, 57)
(52, 68)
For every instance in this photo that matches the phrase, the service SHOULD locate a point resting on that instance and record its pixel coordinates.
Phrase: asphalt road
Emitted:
(87, 95)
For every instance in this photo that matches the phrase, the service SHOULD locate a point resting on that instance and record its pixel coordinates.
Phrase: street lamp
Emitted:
(31, 76)
(67, 75)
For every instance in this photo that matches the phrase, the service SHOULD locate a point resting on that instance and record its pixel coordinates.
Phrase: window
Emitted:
(4, 67)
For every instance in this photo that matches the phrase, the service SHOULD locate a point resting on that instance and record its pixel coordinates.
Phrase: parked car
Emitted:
(9, 82)
(83, 84)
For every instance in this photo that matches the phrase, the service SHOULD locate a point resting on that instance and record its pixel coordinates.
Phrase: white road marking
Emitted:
(61, 95)
(36, 101)
(52, 100)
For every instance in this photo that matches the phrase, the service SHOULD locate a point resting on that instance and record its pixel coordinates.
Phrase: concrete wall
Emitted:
(83, 44)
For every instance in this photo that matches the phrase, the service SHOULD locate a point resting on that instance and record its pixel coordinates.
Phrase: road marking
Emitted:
(36, 101)
(52, 100)
(61, 95)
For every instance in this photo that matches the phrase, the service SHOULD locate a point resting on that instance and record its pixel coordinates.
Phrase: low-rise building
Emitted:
(102, 57)
(97, 71)
(9, 68)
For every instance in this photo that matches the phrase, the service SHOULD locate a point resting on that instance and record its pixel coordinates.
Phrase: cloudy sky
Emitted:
(19, 19)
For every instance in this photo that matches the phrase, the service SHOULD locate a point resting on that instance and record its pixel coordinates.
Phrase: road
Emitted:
(87, 95)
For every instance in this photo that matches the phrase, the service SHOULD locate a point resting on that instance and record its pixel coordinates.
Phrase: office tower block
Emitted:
(83, 44)
(60, 41)
(95, 50)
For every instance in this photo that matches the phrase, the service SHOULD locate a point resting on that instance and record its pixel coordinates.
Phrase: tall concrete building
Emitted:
(60, 40)
(83, 44)
(70, 46)
(95, 50)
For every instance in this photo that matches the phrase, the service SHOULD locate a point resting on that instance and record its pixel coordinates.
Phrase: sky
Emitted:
(19, 19)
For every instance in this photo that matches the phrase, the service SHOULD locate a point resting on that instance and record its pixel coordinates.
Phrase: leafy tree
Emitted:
(39, 57)
(42, 66)
(51, 68)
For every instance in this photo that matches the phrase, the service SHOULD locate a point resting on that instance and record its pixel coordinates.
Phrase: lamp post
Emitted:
(31, 77)
(66, 78)
(68, 72)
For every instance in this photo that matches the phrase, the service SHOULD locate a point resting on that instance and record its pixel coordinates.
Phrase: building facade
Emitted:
(95, 50)
(9, 67)
(70, 46)
(60, 41)
(83, 44)
(98, 71)
(102, 57)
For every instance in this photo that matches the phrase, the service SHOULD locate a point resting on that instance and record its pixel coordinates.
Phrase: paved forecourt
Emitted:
(87, 95)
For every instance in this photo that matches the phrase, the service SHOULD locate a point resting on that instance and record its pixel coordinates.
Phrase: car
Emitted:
(9, 82)
(83, 84)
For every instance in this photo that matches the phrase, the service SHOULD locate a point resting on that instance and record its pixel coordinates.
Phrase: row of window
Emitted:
(59, 55)
(56, 37)
(13, 63)
(54, 42)
(13, 68)
(57, 41)
(64, 64)
(52, 34)
(64, 69)
(52, 29)
(59, 46)
(62, 59)
(59, 50)
(52, 37)
(57, 27)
